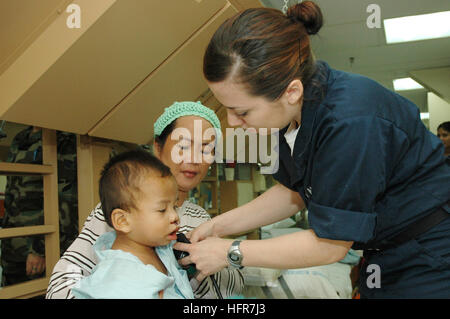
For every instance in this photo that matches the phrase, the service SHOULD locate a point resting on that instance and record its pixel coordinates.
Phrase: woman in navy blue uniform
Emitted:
(355, 153)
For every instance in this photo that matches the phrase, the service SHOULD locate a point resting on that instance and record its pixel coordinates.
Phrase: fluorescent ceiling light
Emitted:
(420, 27)
(424, 116)
(406, 84)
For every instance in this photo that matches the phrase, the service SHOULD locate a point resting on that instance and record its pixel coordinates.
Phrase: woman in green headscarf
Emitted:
(184, 117)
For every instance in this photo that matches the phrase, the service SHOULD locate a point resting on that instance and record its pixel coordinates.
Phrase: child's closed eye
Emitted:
(175, 207)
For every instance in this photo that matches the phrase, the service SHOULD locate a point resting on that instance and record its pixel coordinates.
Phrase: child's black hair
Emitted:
(121, 178)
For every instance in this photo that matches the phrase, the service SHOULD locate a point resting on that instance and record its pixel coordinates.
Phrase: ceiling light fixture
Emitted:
(406, 84)
(419, 27)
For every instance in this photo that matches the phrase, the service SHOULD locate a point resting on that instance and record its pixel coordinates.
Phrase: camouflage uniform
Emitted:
(24, 202)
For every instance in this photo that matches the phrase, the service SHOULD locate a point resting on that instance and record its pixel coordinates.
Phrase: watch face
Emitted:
(234, 257)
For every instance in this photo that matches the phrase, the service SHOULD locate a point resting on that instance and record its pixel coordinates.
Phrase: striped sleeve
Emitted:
(230, 281)
(79, 259)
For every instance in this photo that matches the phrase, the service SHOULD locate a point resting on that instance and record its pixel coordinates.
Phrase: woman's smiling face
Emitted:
(187, 153)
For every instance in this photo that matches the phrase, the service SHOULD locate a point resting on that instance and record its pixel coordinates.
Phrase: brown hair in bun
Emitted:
(264, 49)
(307, 13)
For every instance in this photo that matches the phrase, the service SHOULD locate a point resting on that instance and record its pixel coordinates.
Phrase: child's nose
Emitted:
(174, 219)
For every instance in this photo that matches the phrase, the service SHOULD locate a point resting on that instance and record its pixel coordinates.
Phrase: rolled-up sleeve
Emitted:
(341, 224)
(349, 170)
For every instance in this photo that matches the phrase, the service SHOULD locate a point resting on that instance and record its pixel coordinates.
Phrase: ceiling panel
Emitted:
(437, 80)
(109, 60)
(180, 78)
(346, 11)
(345, 34)
(21, 21)
(350, 36)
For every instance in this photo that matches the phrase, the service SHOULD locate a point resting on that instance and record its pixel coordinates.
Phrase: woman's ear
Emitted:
(294, 91)
(120, 220)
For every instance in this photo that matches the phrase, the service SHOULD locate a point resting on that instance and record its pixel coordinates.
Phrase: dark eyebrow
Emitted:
(236, 107)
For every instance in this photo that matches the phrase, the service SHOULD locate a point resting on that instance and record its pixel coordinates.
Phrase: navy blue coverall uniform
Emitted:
(367, 167)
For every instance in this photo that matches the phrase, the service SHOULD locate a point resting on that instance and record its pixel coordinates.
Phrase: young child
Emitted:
(138, 196)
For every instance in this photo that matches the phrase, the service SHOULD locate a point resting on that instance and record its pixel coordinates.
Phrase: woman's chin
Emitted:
(187, 182)
(186, 185)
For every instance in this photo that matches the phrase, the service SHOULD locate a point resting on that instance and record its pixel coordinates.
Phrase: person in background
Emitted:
(138, 196)
(22, 258)
(79, 259)
(443, 132)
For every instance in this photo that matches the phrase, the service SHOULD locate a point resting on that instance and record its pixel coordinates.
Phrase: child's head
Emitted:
(138, 196)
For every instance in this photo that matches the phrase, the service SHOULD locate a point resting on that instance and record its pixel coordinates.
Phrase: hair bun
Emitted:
(309, 14)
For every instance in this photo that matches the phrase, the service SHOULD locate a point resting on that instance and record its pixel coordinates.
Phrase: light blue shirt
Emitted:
(121, 275)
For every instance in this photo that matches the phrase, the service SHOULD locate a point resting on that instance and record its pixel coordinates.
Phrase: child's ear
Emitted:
(121, 220)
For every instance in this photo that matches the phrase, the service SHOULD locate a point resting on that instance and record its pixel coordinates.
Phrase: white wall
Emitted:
(439, 111)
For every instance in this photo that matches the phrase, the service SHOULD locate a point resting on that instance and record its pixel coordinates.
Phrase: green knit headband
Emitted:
(179, 109)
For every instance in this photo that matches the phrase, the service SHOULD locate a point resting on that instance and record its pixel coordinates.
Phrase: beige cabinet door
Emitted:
(179, 78)
(108, 61)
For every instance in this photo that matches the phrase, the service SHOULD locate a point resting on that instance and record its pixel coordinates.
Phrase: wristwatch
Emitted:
(234, 256)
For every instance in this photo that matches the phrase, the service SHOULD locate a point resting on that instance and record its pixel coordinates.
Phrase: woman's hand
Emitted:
(203, 231)
(208, 255)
